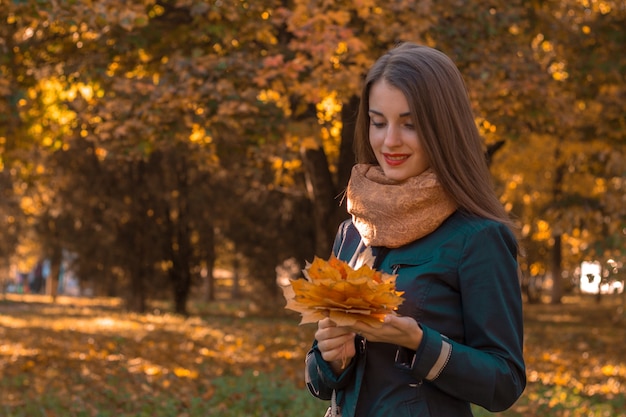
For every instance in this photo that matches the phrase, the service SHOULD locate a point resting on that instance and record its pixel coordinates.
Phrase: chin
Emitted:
(396, 176)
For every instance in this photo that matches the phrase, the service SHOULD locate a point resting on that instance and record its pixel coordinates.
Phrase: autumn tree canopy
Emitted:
(144, 136)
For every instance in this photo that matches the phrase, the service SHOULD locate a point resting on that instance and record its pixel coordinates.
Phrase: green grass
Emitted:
(251, 394)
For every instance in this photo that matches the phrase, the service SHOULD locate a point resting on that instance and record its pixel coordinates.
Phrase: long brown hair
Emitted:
(443, 118)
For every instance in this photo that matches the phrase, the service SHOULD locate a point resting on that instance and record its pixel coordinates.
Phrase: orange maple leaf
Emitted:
(333, 289)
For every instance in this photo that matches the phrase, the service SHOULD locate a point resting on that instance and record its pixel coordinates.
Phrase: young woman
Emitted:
(423, 207)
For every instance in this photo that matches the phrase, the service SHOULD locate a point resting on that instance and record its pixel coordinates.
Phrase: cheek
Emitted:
(375, 139)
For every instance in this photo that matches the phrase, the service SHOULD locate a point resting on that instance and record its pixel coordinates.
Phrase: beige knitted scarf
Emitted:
(393, 213)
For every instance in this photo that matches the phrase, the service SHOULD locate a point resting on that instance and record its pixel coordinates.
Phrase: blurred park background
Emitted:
(164, 163)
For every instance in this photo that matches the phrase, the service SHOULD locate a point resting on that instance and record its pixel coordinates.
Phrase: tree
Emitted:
(143, 135)
(565, 174)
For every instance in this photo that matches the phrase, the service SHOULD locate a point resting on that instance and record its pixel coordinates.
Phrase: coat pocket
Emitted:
(418, 407)
(408, 263)
(409, 279)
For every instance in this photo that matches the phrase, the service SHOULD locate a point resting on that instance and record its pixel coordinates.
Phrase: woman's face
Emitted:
(393, 137)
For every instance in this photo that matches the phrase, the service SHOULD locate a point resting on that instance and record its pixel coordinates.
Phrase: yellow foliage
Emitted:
(557, 69)
(274, 96)
(537, 268)
(342, 48)
(309, 143)
(329, 117)
(143, 55)
(199, 135)
(284, 170)
(185, 373)
(101, 153)
(328, 108)
(333, 289)
(599, 186)
(29, 206)
(546, 46)
(543, 231)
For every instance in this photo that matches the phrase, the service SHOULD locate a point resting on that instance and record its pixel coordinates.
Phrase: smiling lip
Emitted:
(395, 159)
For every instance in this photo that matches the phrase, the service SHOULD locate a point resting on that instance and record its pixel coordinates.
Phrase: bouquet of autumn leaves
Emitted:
(333, 289)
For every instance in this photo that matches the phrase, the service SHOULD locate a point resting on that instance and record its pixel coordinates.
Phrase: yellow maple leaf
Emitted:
(333, 289)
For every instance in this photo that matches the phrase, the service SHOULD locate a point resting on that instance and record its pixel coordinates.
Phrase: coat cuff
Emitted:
(432, 356)
(328, 377)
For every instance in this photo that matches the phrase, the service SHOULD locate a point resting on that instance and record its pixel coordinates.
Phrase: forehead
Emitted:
(387, 100)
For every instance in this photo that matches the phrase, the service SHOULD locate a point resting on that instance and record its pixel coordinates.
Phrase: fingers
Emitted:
(327, 329)
(339, 348)
(404, 324)
(335, 343)
(395, 321)
(400, 323)
(325, 323)
(399, 330)
(331, 338)
(363, 328)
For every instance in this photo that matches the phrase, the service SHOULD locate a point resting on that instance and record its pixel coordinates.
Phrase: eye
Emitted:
(377, 124)
(407, 123)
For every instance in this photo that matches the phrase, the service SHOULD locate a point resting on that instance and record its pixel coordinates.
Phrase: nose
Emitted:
(393, 137)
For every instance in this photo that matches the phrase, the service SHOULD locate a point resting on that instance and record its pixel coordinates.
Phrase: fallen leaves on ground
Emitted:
(80, 350)
(576, 359)
(89, 352)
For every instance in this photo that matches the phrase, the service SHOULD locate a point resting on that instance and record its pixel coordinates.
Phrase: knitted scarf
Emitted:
(393, 213)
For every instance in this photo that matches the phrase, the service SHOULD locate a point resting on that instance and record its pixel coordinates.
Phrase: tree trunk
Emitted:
(181, 253)
(111, 289)
(326, 196)
(52, 283)
(136, 299)
(236, 288)
(5, 277)
(347, 158)
(209, 279)
(181, 280)
(621, 311)
(557, 255)
(557, 281)
(137, 264)
(532, 287)
(321, 192)
(492, 149)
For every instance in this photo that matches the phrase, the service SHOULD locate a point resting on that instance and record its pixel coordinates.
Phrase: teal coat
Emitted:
(461, 285)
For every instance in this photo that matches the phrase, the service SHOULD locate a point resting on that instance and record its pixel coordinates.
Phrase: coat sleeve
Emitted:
(319, 377)
(487, 367)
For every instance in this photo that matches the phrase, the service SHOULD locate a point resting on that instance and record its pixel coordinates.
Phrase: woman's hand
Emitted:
(398, 330)
(335, 343)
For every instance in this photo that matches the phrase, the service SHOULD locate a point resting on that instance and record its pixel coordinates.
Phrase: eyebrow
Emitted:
(376, 112)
